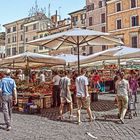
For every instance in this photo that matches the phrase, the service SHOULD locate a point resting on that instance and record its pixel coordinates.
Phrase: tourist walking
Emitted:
(83, 98)
(56, 89)
(122, 88)
(65, 93)
(133, 86)
(8, 93)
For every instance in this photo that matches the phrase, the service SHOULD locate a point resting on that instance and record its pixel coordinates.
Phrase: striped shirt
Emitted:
(64, 83)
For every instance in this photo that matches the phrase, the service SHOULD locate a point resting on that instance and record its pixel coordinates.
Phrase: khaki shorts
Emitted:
(85, 103)
(65, 100)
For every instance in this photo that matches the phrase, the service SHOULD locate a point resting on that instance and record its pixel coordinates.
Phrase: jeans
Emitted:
(56, 95)
(122, 105)
(135, 97)
(7, 108)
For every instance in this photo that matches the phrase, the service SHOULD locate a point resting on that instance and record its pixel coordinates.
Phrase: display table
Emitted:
(27, 100)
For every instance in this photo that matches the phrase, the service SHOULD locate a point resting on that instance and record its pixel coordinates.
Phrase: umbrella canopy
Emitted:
(127, 52)
(75, 38)
(99, 56)
(21, 60)
(70, 57)
(117, 53)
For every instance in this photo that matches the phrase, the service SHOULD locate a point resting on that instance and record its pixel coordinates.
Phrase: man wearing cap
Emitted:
(8, 92)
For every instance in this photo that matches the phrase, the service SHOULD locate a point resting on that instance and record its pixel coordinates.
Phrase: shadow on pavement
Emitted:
(108, 118)
(103, 105)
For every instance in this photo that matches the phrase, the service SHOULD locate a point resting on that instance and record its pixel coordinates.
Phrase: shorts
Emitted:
(84, 102)
(65, 100)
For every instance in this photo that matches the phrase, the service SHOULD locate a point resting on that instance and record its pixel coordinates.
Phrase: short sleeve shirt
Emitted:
(122, 87)
(81, 83)
(7, 86)
(42, 78)
(64, 83)
(56, 80)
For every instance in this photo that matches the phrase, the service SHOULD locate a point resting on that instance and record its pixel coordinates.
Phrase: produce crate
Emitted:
(47, 101)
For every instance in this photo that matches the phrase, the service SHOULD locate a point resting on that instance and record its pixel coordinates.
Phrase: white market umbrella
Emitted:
(32, 60)
(76, 37)
(99, 56)
(70, 57)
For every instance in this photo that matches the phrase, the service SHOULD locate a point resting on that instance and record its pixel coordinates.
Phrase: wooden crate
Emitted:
(47, 102)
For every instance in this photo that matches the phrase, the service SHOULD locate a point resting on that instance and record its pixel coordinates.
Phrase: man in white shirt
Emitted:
(42, 77)
(56, 89)
(83, 98)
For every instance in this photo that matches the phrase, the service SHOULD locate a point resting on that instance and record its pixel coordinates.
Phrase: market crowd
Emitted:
(68, 86)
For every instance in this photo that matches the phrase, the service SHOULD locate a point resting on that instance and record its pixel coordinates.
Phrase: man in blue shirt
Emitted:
(8, 92)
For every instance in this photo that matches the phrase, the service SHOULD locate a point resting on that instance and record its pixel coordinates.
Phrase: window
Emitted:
(13, 51)
(134, 41)
(26, 29)
(90, 50)
(14, 39)
(84, 48)
(100, 4)
(119, 24)
(103, 18)
(75, 49)
(88, 8)
(21, 38)
(134, 21)
(40, 47)
(8, 52)
(8, 40)
(75, 19)
(103, 47)
(35, 51)
(8, 30)
(118, 6)
(41, 35)
(34, 37)
(21, 49)
(90, 21)
(34, 26)
(82, 16)
(92, 6)
(21, 27)
(133, 3)
(14, 28)
(45, 34)
(26, 39)
(103, 28)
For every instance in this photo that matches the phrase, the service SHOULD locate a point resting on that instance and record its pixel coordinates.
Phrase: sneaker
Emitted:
(8, 128)
(122, 121)
(79, 122)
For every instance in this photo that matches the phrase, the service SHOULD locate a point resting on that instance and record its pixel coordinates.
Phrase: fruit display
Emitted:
(44, 88)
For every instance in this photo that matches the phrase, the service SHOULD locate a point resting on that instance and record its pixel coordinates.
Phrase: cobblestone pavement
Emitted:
(46, 127)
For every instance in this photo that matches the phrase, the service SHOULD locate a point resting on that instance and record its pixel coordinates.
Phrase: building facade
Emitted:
(19, 32)
(96, 20)
(60, 26)
(123, 18)
(2, 44)
(78, 18)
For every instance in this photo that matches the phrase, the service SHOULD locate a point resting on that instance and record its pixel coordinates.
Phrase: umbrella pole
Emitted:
(13, 63)
(119, 62)
(78, 55)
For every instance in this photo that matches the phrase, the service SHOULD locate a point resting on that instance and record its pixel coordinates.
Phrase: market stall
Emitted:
(31, 95)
